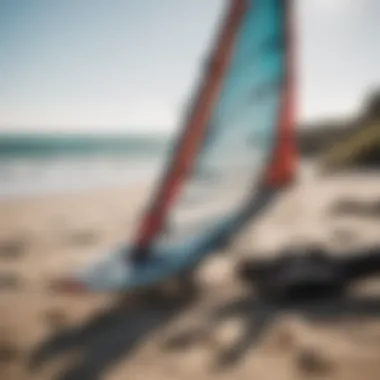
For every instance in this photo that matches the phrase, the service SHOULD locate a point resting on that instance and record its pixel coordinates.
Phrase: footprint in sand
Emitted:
(357, 207)
(9, 350)
(83, 237)
(311, 361)
(56, 319)
(74, 236)
(10, 281)
(13, 248)
(345, 236)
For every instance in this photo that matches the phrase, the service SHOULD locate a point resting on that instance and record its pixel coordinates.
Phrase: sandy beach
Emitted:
(44, 336)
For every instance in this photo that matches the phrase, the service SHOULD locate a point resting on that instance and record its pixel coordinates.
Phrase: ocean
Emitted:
(41, 164)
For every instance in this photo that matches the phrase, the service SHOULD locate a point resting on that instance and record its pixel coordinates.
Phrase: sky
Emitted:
(131, 65)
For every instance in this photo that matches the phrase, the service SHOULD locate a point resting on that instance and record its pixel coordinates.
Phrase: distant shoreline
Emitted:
(43, 144)
(32, 145)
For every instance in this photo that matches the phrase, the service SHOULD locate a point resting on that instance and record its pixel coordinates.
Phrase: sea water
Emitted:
(36, 165)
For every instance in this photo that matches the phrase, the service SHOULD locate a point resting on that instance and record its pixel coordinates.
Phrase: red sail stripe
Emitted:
(283, 167)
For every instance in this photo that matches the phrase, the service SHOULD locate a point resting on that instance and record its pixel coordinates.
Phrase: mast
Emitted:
(190, 141)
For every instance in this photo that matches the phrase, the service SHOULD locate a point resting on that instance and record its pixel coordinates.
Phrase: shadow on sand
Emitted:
(114, 335)
(106, 338)
(258, 316)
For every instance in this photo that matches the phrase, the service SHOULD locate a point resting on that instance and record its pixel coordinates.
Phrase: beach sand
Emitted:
(47, 336)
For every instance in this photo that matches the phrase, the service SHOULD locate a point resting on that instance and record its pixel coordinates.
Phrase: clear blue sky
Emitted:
(130, 65)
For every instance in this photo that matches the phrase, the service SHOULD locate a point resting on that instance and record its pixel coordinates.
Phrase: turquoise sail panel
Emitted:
(241, 133)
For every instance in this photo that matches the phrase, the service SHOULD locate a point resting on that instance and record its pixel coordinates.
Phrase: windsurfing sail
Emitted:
(235, 153)
(237, 147)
